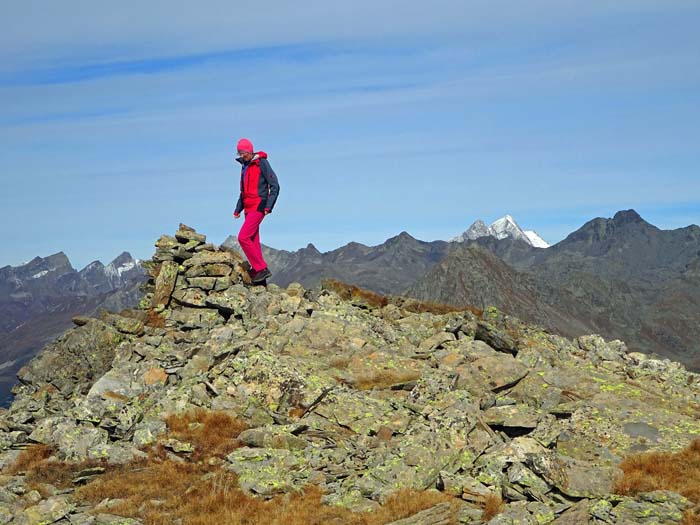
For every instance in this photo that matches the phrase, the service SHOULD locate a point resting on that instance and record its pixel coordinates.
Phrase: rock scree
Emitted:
(357, 398)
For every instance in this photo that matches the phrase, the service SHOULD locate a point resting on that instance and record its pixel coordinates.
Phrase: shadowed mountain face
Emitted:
(39, 298)
(472, 275)
(622, 277)
(390, 267)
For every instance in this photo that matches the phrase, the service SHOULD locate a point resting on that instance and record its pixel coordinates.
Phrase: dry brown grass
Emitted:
(30, 458)
(339, 362)
(161, 490)
(679, 472)
(691, 517)
(34, 463)
(383, 378)
(218, 501)
(154, 319)
(492, 505)
(350, 292)
(213, 433)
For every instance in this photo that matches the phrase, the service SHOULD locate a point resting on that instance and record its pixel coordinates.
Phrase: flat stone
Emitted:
(434, 341)
(190, 318)
(186, 235)
(574, 478)
(166, 242)
(499, 371)
(515, 416)
(209, 270)
(202, 258)
(231, 301)
(271, 438)
(205, 283)
(191, 296)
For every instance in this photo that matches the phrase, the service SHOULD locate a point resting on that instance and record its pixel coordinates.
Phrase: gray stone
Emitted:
(165, 283)
(45, 512)
(498, 371)
(186, 235)
(231, 301)
(574, 478)
(440, 514)
(271, 437)
(267, 472)
(191, 296)
(513, 416)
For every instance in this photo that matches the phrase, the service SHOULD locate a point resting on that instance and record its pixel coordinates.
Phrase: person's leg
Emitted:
(256, 247)
(249, 239)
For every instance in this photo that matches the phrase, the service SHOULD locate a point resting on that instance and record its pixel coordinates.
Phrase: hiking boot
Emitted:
(260, 276)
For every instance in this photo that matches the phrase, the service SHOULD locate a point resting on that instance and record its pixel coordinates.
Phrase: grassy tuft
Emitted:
(213, 433)
(154, 319)
(38, 464)
(492, 505)
(679, 472)
(350, 292)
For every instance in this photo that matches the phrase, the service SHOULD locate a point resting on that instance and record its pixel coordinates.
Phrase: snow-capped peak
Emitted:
(536, 240)
(500, 229)
(507, 227)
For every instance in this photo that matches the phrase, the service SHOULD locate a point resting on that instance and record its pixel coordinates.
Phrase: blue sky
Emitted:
(117, 123)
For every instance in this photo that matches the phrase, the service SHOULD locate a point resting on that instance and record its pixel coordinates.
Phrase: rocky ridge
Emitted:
(357, 396)
(39, 297)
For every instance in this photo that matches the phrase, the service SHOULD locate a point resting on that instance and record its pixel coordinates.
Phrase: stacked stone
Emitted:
(192, 282)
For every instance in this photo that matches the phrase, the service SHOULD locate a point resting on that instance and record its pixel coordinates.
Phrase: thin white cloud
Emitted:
(36, 31)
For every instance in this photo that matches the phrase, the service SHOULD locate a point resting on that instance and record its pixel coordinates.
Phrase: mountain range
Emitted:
(622, 277)
(38, 299)
(214, 401)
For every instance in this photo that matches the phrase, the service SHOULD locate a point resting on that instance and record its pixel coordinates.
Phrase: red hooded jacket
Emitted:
(259, 185)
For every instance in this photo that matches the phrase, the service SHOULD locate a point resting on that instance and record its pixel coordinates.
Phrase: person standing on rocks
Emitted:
(259, 190)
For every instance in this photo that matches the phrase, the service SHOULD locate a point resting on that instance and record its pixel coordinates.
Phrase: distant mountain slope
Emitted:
(619, 276)
(39, 298)
(390, 267)
(32, 288)
(622, 277)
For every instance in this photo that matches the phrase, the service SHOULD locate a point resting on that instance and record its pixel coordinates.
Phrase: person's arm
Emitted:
(239, 205)
(272, 182)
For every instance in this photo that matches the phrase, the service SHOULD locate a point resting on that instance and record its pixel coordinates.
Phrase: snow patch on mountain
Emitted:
(536, 240)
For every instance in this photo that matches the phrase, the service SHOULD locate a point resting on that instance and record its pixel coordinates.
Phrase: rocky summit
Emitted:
(356, 394)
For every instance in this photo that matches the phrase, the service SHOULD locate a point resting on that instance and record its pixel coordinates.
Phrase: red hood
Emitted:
(256, 157)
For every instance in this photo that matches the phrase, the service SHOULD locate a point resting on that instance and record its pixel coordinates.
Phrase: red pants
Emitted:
(249, 239)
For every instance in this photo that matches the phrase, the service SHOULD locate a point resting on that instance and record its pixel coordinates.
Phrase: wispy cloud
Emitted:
(155, 65)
